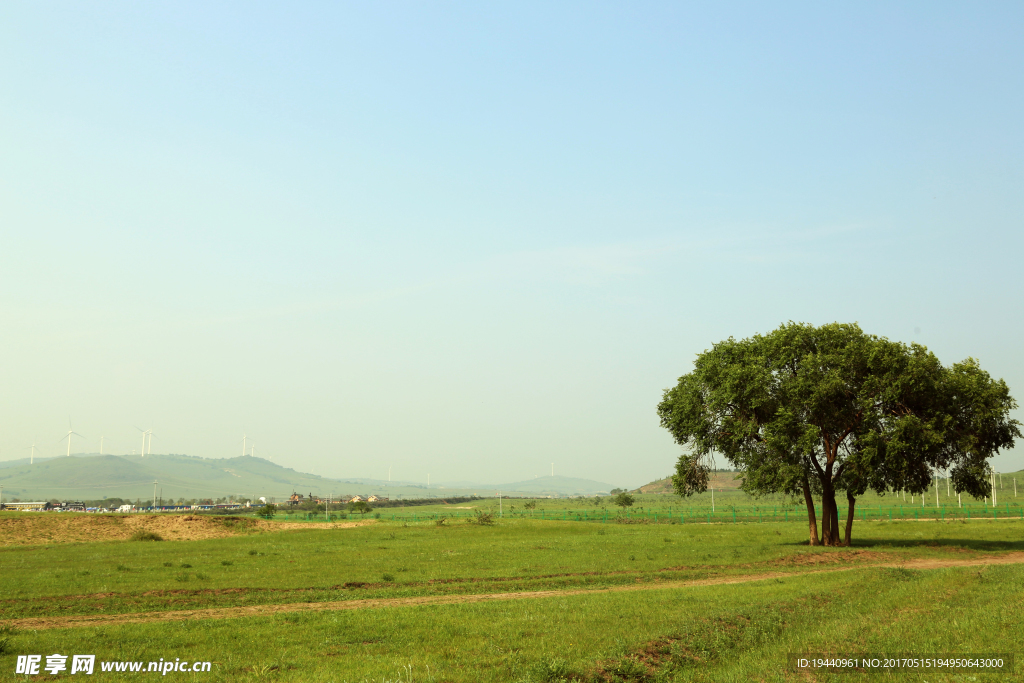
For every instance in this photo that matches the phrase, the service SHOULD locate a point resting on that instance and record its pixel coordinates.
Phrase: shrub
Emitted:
(254, 552)
(226, 563)
(360, 506)
(123, 568)
(168, 564)
(441, 521)
(143, 535)
(388, 578)
(623, 500)
(530, 505)
(267, 511)
(185, 565)
(484, 518)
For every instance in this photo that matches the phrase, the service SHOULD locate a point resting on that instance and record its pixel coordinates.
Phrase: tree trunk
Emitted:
(849, 519)
(826, 520)
(829, 515)
(812, 518)
(835, 521)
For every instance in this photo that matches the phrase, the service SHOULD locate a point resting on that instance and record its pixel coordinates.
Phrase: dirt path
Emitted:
(44, 623)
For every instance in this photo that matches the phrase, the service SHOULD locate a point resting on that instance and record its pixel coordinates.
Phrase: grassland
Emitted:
(522, 600)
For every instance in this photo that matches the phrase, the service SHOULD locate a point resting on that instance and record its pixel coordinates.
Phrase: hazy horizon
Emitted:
(474, 240)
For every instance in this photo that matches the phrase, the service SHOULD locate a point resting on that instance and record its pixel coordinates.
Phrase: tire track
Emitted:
(83, 621)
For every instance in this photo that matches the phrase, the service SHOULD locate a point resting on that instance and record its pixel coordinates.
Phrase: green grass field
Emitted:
(624, 602)
(723, 507)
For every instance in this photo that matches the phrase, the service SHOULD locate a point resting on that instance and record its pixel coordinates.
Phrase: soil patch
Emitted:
(805, 559)
(41, 528)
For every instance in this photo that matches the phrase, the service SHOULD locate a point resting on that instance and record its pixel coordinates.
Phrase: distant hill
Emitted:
(719, 480)
(182, 476)
(93, 477)
(558, 486)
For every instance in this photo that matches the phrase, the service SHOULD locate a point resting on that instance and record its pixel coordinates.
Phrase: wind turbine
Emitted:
(145, 433)
(244, 437)
(71, 432)
(101, 444)
(32, 455)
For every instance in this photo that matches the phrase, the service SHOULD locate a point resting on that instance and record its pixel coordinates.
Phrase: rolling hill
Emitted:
(92, 477)
(720, 481)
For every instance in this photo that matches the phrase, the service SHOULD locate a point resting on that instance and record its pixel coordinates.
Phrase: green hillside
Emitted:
(182, 476)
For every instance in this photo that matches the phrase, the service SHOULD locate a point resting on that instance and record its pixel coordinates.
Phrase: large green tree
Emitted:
(816, 411)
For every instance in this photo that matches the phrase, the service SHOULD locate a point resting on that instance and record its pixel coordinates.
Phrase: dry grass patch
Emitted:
(41, 528)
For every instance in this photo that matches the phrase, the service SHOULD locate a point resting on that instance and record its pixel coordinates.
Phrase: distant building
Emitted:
(376, 499)
(28, 507)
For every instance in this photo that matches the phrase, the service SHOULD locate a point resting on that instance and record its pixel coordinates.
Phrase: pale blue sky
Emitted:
(473, 239)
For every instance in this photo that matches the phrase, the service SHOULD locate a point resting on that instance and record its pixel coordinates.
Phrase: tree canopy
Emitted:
(810, 411)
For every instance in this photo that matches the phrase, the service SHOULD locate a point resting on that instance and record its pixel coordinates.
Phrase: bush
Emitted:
(142, 535)
(623, 500)
(484, 518)
(388, 578)
(530, 505)
(267, 511)
(360, 506)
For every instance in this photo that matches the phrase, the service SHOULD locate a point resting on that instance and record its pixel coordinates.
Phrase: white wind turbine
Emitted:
(145, 433)
(244, 437)
(71, 432)
(32, 455)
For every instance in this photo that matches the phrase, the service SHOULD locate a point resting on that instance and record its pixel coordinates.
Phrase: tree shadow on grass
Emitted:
(951, 543)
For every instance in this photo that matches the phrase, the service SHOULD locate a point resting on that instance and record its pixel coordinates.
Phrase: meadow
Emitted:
(520, 600)
(723, 506)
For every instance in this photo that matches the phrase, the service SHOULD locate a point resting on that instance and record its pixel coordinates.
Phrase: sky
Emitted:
(479, 240)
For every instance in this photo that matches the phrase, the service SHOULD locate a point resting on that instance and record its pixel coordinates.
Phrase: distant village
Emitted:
(296, 500)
